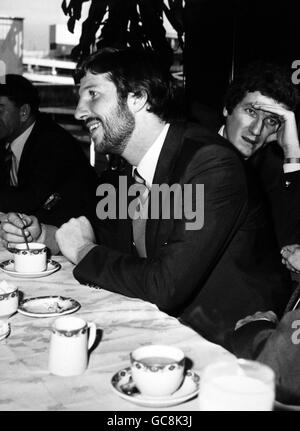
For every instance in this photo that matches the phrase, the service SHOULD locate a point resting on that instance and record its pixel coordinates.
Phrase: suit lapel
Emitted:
(26, 156)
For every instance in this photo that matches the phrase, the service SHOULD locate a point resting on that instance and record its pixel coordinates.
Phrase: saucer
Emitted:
(4, 330)
(187, 390)
(48, 306)
(8, 267)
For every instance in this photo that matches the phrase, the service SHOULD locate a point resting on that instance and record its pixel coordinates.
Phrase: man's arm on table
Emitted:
(186, 257)
(261, 337)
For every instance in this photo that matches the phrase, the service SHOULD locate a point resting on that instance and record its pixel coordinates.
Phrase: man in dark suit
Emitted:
(209, 273)
(43, 171)
(259, 120)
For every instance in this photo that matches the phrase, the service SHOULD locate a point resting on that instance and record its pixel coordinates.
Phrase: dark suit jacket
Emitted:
(210, 277)
(51, 162)
(281, 191)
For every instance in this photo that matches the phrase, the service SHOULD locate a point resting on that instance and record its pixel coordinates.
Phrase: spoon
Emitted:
(23, 233)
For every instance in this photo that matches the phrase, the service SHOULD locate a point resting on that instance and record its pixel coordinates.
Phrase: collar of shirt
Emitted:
(17, 144)
(221, 131)
(146, 167)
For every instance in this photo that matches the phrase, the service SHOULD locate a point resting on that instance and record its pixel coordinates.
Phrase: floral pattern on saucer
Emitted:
(123, 385)
(8, 267)
(48, 306)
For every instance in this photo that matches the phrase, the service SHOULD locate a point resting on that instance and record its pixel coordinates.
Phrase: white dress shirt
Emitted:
(147, 166)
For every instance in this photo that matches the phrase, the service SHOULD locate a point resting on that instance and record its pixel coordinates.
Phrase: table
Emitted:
(123, 324)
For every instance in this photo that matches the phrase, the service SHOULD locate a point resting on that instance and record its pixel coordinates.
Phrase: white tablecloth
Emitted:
(123, 324)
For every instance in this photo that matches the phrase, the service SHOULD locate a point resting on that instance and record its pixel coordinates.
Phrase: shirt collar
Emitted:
(147, 166)
(222, 130)
(17, 144)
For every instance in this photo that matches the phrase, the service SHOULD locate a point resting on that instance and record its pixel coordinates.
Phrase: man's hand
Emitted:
(11, 229)
(291, 257)
(74, 237)
(287, 135)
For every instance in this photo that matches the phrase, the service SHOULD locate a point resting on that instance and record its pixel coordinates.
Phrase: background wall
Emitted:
(222, 36)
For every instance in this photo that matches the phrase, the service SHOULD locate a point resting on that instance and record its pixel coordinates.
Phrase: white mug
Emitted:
(71, 339)
(242, 385)
(32, 260)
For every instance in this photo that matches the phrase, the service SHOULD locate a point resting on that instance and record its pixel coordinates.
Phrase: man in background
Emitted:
(259, 120)
(43, 170)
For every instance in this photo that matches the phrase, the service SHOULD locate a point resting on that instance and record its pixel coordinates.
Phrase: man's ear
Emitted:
(136, 102)
(225, 112)
(25, 112)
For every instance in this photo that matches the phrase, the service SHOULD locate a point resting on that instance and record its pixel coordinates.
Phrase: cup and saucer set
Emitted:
(29, 261)
(156, 378)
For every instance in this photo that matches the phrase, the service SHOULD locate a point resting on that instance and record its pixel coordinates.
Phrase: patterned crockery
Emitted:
(9, 301)
(157, 370)
(71, 339)
(32, 260)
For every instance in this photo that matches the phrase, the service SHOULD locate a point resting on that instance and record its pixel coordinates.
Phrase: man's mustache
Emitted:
(89, 119)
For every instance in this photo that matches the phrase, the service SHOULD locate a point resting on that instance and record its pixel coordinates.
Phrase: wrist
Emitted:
(291, 160)
(291, 150)
(83, 251)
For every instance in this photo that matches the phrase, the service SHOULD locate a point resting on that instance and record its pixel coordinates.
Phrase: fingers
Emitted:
(19, 220)
(12, 229)
(291, 257)
(287, 250)
(273, 109)
(14, 219)
(11, 233)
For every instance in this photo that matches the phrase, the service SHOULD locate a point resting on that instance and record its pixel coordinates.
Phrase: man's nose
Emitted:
(257, 126)
(81, 110)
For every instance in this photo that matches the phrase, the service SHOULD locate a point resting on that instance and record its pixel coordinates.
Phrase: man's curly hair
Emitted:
(271, 80)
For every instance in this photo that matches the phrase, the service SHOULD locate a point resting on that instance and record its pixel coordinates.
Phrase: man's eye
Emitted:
(92, 93)
(251, 112)
(271, 121)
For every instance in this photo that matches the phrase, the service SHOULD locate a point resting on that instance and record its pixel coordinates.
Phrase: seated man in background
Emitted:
(260, 122)
(208, 273)
(43, 170)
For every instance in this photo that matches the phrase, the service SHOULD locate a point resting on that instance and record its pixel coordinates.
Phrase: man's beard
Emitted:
(117, 129)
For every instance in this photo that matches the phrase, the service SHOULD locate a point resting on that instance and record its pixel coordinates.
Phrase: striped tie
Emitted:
(10, 167)
(139, 224)
(7, 165)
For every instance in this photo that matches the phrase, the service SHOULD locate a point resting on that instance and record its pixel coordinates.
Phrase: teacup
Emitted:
(9, 299)
(32, 260)
(71, 339)
(157, 370)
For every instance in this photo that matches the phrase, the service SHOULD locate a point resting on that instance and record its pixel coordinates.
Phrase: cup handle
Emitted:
(92, 334)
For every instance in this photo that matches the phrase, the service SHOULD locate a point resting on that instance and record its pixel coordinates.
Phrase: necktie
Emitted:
(10, 167)
(139, 224)
(7, 159)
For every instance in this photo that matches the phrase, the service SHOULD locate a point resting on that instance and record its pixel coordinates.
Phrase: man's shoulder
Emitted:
(207, 141)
